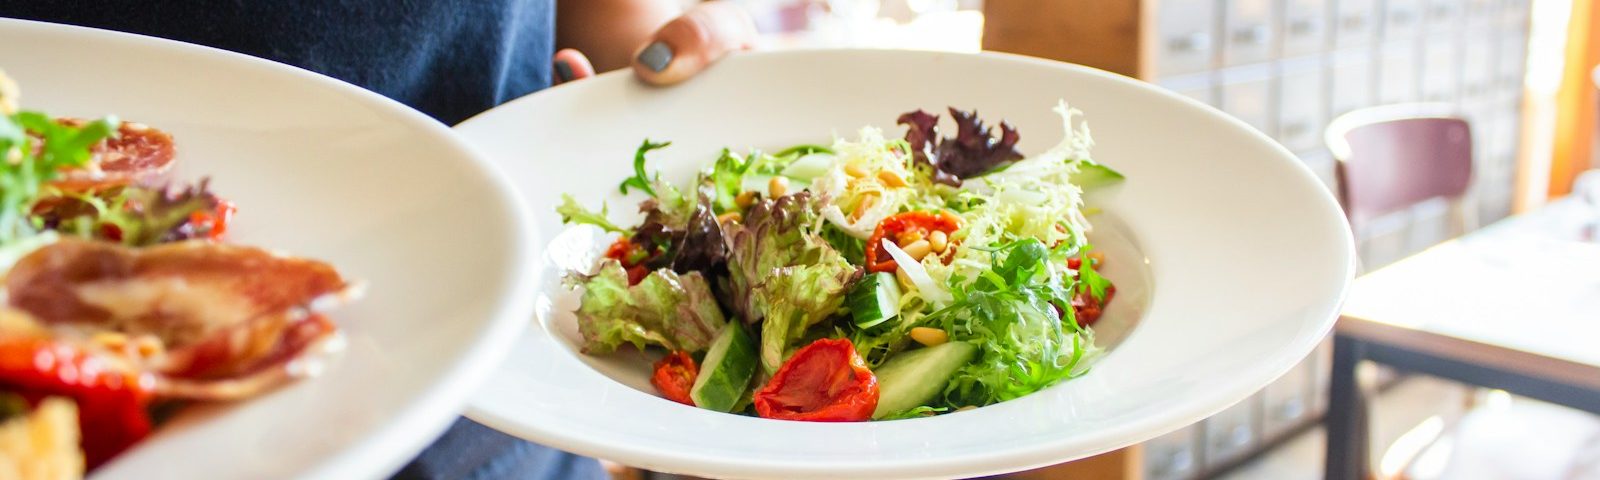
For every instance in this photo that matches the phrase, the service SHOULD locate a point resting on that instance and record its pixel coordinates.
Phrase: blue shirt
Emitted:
(450, 59)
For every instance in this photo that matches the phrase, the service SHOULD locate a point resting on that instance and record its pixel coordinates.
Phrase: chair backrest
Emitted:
(1395, 156)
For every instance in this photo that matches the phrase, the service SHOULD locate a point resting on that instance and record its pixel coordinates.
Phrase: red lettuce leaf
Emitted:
(972, 152)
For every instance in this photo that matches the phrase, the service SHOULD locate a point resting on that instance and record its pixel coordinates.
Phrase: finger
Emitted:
(568, 65)
(693, 41)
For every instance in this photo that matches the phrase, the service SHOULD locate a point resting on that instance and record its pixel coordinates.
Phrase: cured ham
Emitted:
(123, 327)
(217, 311)
(138, 155)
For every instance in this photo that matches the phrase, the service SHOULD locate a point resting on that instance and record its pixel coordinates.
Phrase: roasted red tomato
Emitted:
(214, 223)
(674, 377)
(892, 228)
(1088, 310)
(111, 399)
(825, 381)
(632, 257)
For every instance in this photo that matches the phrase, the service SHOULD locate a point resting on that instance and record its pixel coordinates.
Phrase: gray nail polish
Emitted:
(563, 71)
(656, 56)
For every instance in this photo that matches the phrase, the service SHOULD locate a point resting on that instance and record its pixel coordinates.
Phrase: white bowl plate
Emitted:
(1229, 256)
(321, 169)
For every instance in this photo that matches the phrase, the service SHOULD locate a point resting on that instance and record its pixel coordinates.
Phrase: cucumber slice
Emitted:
(874, 300)
(1093, 175)
(809, 166)
(912, 379)
(725, 373)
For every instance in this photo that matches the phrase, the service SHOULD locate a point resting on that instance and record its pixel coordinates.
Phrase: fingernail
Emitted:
(563, 71)
(656, 56)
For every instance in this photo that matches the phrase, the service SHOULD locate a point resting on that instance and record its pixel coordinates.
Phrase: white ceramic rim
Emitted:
(429, 414)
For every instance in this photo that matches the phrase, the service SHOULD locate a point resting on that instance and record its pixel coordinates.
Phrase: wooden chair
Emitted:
(1393, 157)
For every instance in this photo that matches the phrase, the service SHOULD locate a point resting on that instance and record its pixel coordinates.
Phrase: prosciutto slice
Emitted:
(228, 321)
(139, 155)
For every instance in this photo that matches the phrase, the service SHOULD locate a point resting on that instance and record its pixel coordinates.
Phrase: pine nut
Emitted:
(777, 187)
(729, 217)
(1098, 258)
(938, 241)
(866, 202)
(745, 199)
(918, 249)
(928, 336)
(891, 179)
(855, 170)
(907, 237)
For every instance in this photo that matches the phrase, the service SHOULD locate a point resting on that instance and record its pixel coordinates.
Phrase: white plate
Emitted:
(322, 169)
(1240, 255)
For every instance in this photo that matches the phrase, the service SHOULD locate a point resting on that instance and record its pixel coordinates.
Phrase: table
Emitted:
(1514, 306)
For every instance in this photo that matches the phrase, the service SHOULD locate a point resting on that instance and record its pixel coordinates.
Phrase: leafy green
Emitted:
(853, 249)
(1013, 311)
(135, 216)
(727, 176)
(666, 309)
(782, 273)
(919, 412)
(572, 212)
(1089, 279)
(34, 148)
(640, 180)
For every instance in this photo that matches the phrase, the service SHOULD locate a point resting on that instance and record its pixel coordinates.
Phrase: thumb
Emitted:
(693, 41)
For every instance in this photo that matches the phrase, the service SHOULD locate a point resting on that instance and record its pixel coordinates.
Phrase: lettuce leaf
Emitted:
(781, 272)
(1019, 313)
(665, 309)
(972, 152)
(574, 213)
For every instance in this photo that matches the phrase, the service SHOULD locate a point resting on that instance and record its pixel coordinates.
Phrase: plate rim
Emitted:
(424, 417)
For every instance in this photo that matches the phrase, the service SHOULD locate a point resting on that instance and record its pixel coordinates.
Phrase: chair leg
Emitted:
(1346, 420)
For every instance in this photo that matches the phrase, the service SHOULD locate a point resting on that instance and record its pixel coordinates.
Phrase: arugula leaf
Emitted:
(640, 180)
(1090, 279)
(572, 212)
(34, 148)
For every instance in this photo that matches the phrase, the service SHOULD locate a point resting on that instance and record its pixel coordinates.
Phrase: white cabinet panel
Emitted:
(1303, 105)
(1251, 31)
(1397, 73)
(1247, 94)
(1351, 80)
(1356, 22)
(1305, 27)
(1441, 68)
(1187, 36)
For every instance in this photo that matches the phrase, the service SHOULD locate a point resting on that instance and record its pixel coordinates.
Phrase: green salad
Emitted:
(874, 278)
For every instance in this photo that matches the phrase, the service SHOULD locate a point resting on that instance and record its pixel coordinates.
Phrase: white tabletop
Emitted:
(1530, 284)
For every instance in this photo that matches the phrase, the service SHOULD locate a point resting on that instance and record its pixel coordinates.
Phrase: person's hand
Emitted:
(678, 50)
